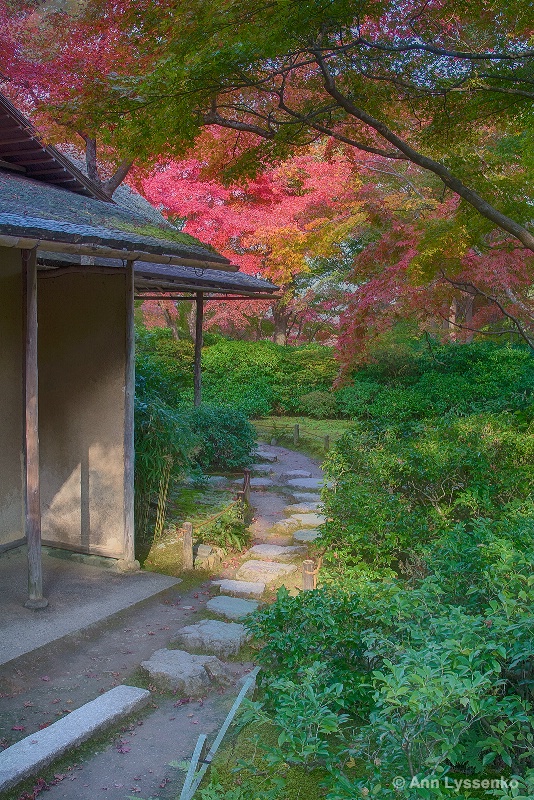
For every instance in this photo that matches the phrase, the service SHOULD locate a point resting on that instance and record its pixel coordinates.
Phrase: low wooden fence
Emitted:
(273, 430)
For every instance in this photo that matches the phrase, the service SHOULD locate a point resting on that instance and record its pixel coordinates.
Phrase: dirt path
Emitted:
(37, 689)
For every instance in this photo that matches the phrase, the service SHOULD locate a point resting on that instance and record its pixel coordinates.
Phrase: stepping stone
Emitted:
(261, 483)
(264, 455)
(306, 483)
(302, 508)
(306, 535)
(184, 673)
(241, 588)
(266, 571)
(283, 528)
(296, 473)
(217, 480)
(308, 520)
(306, 497)
(261, 469)
(231, 607)
(212, 636)
(31, 754)
(276, 552)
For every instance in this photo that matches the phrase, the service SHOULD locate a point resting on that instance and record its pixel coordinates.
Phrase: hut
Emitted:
(71, 264)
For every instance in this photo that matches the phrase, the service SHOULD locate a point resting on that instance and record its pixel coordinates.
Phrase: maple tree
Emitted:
(283, 225)
(411, 81)
(49, 54)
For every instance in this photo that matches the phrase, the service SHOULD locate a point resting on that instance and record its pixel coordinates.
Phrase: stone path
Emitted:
(192, 661)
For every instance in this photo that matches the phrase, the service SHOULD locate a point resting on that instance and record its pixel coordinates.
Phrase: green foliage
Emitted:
(226, 438)
(397, 488)
(259, 377)
(319, 405)
(229, 529)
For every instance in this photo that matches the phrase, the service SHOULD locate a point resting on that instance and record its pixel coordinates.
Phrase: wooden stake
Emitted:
(32, 498)
(296, 434)
(198, 348)
(327, 443)
(129, 394)
(188, 545)
(308, 575)
(246, 486)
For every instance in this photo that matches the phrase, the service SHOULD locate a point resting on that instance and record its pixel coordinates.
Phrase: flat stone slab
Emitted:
(284, 527)
(265, 455)
(261, 469)
(276, 552)
(306, 483)
(233, 608)
(212, 636)
(308, 520)
(306, 535)
(261, 483)
(265, 571)
(302, 508)
(296, 473)
(306, 497)
(34, 752)
(241, 588)
(185, 673)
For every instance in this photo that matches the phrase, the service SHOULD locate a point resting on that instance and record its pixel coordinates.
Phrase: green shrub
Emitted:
(229, 529)
(226, 438)
(319, 405)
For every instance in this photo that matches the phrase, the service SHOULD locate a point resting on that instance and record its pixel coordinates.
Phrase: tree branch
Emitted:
(451, 181)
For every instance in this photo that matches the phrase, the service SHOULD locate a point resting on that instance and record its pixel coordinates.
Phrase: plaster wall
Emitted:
(11, 421)
(82, 343)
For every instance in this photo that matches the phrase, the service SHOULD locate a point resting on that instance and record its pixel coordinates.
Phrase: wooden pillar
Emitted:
(129, 397)
(308, 575)
(199, 319)
(188, 561)
(32, 498)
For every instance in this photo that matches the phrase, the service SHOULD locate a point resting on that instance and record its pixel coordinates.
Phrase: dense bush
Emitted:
(262, 377)
(173, 439)
(431, 686)
(399, 487)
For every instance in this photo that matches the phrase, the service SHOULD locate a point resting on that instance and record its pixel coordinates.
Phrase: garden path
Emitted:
(41, 686)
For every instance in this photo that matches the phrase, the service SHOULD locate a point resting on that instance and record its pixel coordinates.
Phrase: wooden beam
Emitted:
(180, 297)
(32, 499)
(9, 165)
(199, 318)
(129, 394)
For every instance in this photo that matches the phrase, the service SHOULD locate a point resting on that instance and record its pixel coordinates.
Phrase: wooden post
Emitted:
(246, 486)
(296, 434)
(129, 398)
(308, 575)
(198, 348)
(188, 545)
(327, 443)
(32, 495)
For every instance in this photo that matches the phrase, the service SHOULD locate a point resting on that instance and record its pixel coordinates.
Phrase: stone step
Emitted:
(234, 608)
(261, 483)
(306, 483)
(306, 535)
(240, 588)
(296, 473)
(305, 497)
(261, 469)
(184, 673)
(31, 754)
(266, 455)
(265, 571)
(276, 552)
(213, 636)
(308, 520)
(302, 508)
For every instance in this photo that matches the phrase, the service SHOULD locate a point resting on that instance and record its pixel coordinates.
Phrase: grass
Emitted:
(312, 432)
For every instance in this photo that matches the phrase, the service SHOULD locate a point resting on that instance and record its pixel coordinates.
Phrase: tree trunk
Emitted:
(280, 319)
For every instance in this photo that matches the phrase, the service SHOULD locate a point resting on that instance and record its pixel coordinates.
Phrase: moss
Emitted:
(167, 234)
(247, 746)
